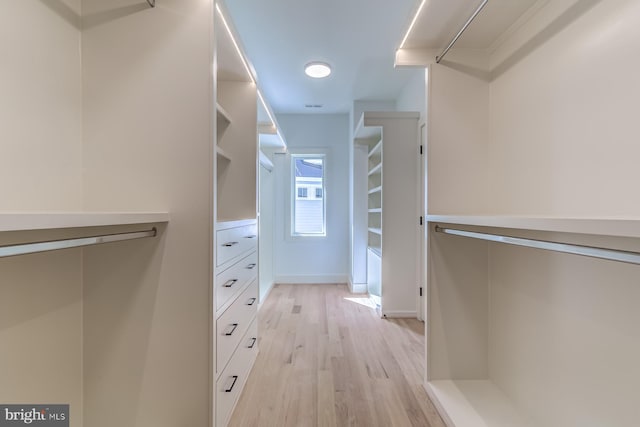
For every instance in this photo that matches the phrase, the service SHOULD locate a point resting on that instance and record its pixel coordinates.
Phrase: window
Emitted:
(308, 212)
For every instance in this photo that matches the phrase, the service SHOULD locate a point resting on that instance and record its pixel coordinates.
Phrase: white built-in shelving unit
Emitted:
(391, 141)
(532, 335)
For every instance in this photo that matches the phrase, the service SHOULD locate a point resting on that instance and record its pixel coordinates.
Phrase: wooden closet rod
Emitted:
(457, 36)
(590, 251)
(53, 245)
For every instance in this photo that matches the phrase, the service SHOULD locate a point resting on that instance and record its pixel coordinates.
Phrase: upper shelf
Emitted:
(54, 220)
(370, 124)
(603, 226)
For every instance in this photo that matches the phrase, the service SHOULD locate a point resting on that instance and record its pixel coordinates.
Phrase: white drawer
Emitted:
(235, 241)
(233, 378)
(232, 324)
(233, 279)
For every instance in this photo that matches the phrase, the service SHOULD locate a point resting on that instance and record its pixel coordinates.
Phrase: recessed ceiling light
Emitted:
(317, 70)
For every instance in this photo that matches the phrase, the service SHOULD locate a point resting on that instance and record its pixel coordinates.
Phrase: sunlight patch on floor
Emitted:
(362, 301)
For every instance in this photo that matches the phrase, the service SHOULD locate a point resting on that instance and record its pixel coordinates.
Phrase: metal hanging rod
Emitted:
(152, 3)
(590, 251)
(53, 245)
(464, 27)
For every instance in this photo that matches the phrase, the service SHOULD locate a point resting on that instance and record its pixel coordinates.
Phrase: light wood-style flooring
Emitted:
(328, 360)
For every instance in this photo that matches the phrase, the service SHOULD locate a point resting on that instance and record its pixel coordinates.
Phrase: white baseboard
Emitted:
(307, 279)
(400, 314)
(358, 288)
(266, 295)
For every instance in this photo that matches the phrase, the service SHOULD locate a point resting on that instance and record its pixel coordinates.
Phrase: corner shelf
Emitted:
(375, 189)
(375, 210)
(375, 230)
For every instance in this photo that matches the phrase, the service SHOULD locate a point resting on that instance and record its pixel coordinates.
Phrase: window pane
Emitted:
(308, 209)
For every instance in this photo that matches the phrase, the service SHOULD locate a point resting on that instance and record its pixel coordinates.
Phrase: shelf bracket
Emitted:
(152, 3)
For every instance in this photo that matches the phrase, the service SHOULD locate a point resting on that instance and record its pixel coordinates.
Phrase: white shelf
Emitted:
(376, 169)
(474, 403)
(376, 149)
(375, 210)
(53, 220)
(370, 126)
(220, 152)
(603, 226)
(376, 250)
(375, 189)
(375, 230)
(222, 114)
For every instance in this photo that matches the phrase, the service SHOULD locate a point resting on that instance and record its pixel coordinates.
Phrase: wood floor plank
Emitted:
(327, 359)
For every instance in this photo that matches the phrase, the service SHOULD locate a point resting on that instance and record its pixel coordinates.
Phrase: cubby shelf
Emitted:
(377, 149)
(376, 169)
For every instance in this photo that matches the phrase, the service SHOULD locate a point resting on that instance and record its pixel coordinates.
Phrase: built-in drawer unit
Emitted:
(234, 278)
(234, 376)
(233, 323)
(235, 238)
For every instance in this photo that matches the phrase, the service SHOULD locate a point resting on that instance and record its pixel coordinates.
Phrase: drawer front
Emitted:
(230, 384)
(230, 281)
(234, 322)
(233, 242)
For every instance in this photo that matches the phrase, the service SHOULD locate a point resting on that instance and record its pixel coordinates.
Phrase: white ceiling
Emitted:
(357, 37)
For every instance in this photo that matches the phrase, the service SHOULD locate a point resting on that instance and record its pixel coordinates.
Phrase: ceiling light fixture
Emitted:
(413, 22)
(317, 70)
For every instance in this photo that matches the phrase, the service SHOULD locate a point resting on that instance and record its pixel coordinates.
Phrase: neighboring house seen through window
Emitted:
(308, 205)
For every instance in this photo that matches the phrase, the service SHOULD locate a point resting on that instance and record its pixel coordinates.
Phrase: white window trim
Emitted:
(307, 152)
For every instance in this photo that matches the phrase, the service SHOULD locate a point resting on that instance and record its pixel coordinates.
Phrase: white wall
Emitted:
(40, 170)
(564, 120)
(148, 108)
(413, 95)
(314, 259)
(457, 139)
(267, 218)
(40, 106)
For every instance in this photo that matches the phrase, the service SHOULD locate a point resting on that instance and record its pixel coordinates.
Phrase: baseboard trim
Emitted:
(312, 279)
(400, 314)
(266, 295)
